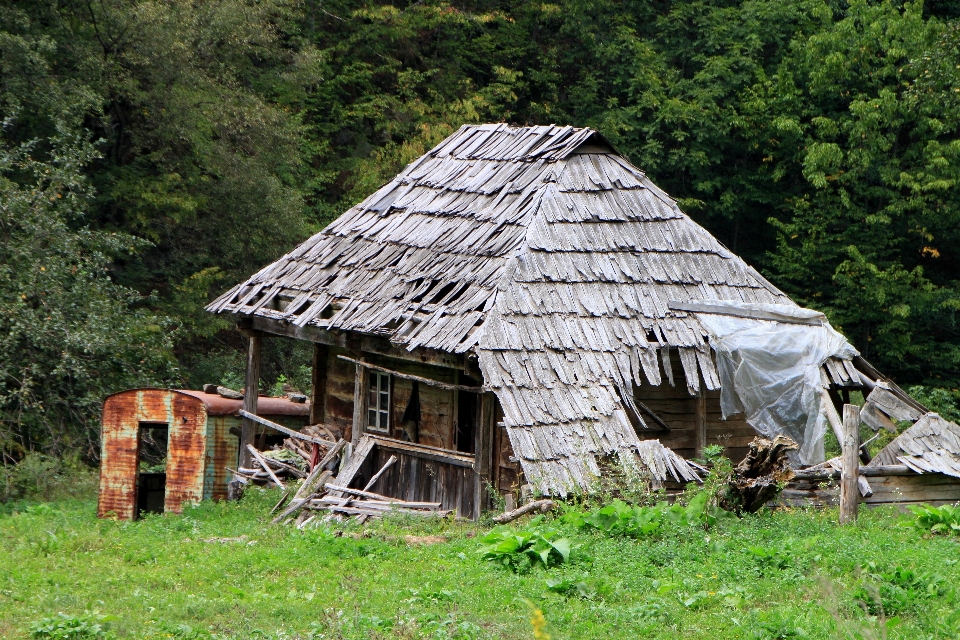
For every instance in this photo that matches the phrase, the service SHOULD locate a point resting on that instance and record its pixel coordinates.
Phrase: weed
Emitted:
(90, 624)
(524, 549)
(769, 558)
(938, 520)
(633, 521)
(897, 590)
(584, 589)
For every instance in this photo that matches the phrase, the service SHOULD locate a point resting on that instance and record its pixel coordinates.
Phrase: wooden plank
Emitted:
(409, 376)
(247, 415)
(729, 310)
(360, 453)
(437, 454)
(266, 467)
(849, 497)
(251, 393)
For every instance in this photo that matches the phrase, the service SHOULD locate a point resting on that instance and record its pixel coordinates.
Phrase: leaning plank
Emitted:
(386, 465)
(433, 506)
(382, 498)
(408, 376)
(653, 416)
(307, 488)
(538, 505)
(266, 467)
(364, 447)
(283, 429)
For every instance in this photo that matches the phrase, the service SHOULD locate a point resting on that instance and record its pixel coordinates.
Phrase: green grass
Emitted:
(779, 575)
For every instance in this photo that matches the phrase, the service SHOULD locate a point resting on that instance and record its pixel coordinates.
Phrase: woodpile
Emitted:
(321, 493)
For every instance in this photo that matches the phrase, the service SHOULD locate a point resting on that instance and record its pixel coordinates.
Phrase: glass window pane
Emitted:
(384, 401)
(383, 420)
(372, 420)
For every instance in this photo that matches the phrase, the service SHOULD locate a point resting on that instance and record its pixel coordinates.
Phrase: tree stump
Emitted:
(759, 477)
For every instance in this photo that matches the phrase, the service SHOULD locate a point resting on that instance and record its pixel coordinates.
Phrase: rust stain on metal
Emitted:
(225, 448)
(185, 452)
(118, 457)
(220, 406)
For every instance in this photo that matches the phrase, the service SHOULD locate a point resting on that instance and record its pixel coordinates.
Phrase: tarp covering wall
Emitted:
(770, 369)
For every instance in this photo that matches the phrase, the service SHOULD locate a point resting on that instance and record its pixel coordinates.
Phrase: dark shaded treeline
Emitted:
(816, 139)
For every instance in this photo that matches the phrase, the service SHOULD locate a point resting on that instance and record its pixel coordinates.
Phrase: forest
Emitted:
(155, 153)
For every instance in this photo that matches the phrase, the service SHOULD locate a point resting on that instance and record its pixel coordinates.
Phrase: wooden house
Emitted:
(163, 448)
(513, 308)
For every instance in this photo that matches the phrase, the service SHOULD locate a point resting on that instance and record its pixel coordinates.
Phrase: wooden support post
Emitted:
(701, 421)
(483, 452)
(251, 390)
(318, 400)
(361, 390)
(849, 492)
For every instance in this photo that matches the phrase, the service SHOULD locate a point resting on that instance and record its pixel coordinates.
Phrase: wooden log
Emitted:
(266, 467)
(849, 492)
(282, 429)
(283, 466)
(542, 506)
(290, 446)
(432, 506)
(409, 376)
(251, 393)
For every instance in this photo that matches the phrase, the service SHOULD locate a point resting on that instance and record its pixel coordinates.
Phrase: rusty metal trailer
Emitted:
(163, 448)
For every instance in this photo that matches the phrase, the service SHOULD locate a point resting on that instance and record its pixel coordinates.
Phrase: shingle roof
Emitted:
(547, 253)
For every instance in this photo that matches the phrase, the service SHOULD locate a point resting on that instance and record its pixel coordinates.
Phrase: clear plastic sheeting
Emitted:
(770, 369)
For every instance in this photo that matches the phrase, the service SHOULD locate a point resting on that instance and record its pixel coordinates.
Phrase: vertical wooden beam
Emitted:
(318, 398)
(361, 390)
(849, 492)
(483, 452)
(700, 437)
(251, 389)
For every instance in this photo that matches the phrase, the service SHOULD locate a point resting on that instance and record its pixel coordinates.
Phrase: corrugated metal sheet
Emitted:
(266, 406)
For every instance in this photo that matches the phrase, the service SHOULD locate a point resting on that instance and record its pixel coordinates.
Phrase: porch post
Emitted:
(251, 390)
(318, 399)
(483, 452)
(360, 392)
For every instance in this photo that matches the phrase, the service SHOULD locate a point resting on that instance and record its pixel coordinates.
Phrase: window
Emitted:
(378, 402)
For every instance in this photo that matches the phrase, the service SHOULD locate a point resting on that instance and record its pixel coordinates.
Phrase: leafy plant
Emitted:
(896, 590)
(944, 519)
(90, 624)
(521, 550)
(634, 521)
(770, 558)
(585, 589)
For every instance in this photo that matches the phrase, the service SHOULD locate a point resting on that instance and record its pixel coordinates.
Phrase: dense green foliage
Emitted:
(818, 139)
(222, 571)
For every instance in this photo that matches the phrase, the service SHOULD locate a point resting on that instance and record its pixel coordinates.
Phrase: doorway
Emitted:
(152, 467)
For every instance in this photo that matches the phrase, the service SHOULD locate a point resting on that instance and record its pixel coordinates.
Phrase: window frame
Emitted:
(381, 383)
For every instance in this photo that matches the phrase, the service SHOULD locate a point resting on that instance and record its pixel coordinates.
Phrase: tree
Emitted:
(69, 334)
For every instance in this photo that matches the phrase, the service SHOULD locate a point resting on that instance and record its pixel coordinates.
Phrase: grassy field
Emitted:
(221, 571)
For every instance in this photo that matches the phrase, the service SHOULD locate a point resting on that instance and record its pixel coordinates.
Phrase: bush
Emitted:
(937, 520)
(523, 549)
(46, 479)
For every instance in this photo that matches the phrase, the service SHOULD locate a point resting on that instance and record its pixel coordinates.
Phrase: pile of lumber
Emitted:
(327, 498)
(270, 468)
